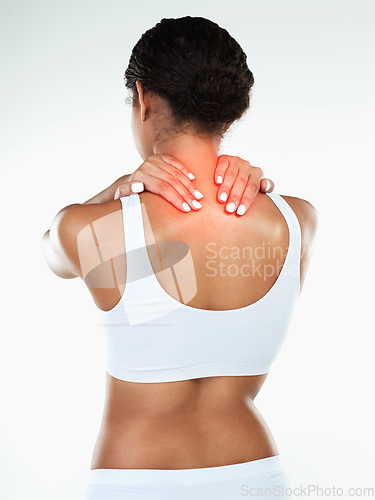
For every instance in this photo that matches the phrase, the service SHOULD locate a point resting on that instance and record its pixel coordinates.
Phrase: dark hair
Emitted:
(197, 67)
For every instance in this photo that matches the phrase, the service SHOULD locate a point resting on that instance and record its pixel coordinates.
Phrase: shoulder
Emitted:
(76, 215)
(72, 235)
(306, 214)
(72, 221)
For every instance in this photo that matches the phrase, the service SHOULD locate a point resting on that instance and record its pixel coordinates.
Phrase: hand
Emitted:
(171, 180)
(239, 183)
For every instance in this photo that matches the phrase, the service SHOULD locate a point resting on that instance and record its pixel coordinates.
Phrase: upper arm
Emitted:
(59, 243)
(81, 238)
(307, 216)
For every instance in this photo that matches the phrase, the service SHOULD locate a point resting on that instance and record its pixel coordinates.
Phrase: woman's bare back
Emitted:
(209, 421)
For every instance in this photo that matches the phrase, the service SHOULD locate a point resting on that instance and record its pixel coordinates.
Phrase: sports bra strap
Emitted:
(133, 224)
(293, 225)
(138, 263)
(135, 236)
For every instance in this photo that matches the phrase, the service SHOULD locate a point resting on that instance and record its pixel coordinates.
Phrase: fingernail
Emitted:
(198, 194)
(186, 206)
(230, 207)
(191, 176)
(219, 179)
(241, 210)
(223, 197)
(268, 185)
(196, 204)
(137, 187)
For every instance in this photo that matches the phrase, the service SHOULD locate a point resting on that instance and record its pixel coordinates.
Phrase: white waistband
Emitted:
(126, 477)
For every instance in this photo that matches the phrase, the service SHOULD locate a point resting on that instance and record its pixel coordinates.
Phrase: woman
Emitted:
(195, 306)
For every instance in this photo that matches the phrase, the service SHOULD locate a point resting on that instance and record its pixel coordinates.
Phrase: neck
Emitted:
(197, 154)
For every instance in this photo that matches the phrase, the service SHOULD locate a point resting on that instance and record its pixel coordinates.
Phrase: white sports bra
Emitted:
(152, 337)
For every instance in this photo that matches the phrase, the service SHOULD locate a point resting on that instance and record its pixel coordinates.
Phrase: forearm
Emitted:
(108, 193)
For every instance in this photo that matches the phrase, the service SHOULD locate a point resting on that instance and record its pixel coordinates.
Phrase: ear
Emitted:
(141, 99)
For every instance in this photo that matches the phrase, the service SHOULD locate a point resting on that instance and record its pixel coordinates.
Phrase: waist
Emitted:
(200, 419)
(193, 403)
(187, 438)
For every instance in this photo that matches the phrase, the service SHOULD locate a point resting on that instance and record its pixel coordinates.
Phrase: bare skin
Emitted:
(205, 422)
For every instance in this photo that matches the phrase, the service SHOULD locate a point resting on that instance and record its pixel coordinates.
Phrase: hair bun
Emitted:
(212, 92)
(198, 68)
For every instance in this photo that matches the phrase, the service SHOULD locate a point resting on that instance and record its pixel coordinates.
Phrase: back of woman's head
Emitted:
(197, 67)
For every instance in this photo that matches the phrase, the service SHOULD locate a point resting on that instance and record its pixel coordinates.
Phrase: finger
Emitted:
(266, 185)
(236, 192)
(171, 185)
(157, 186)
(177, 164)
(155, 169)
(221, 168)
(168, 192)
(251, 190)
(175, 176)
(128, 188)
(229, 178)
(158, 169)
(248, 196)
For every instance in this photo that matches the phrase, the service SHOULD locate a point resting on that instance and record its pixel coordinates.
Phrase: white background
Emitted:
(66, 135)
